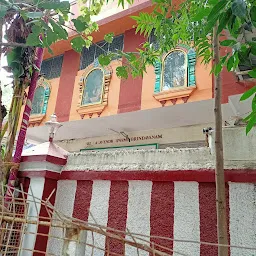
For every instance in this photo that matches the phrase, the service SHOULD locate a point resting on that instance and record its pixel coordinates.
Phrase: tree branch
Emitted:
(12, 44)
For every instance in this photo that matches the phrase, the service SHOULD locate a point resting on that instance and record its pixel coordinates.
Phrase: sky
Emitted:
(7, 90)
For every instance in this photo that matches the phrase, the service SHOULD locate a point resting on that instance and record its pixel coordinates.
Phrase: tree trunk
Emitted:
(13, 118)
(25, 122)
(219, 164)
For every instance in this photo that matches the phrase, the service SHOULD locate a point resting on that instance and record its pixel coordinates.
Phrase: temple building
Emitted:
(158, 184)
(167, 107)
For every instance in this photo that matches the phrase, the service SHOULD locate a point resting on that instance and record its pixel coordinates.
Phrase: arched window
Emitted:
(174, 70)
(93, 87)
(175, 75)
(177, 69)
(41, 97)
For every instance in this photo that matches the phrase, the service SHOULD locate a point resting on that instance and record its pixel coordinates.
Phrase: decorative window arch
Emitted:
(40, 101)
(175, 76)
(94, 87)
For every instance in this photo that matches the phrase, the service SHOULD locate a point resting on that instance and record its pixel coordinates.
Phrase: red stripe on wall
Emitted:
(228, 210)
(25, 184)
(203, 175)
(41, 240)
(82, 199)
(162, 214)
(117, 215)
(130, 89)
(69, 70)
(208, 218)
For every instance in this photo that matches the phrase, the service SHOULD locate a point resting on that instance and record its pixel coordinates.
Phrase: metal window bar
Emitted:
(88, 56)
(51, 68)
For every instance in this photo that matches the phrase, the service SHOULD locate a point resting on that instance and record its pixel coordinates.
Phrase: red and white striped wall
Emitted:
(177, 202)
(183, 210)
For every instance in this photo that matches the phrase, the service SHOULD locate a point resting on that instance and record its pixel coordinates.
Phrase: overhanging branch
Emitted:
(13, 44)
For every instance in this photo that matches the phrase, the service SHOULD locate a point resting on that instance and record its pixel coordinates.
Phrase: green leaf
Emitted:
(224, 20)
(62, 6)
(33, 40)
(104, 60)
(247, 118)
(3, 10)
(88, 43)
(238, 8)
(228, 42)
(61, 20)
(251, 123)
(36, 30)
(248, 94)
(236, 61)
(253, 13)
(230, 63)
(51, 37)
(254, 103)
(62, 33)
(78, 43)
(34, 15)
(17, 69)
(80, 25)
(14, 55)
(253, 47)
(217, 69)
(252, 73)
(109, 37)
(216, 10)
(121, 72)
(200, 14)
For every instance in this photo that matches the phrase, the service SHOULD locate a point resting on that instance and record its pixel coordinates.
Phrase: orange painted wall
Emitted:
(113, 96)
(202, 92)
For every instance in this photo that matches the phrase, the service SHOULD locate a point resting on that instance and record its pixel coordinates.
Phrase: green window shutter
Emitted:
(38, 101)
(191, 67)
(46, 99)
(158, 71)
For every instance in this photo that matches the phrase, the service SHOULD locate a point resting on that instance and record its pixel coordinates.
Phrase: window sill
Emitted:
(36, 119)
(174, 94)
(91, 109)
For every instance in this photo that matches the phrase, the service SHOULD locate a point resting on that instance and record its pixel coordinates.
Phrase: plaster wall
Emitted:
(144, 205)
(242, 217)
(64, 202)
(35, 192)
(238, 145)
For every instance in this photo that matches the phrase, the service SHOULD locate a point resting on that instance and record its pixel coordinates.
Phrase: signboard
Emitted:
(147, 146)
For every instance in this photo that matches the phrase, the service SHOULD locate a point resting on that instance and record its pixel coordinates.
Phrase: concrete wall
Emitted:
(162, 193)
(179, 210)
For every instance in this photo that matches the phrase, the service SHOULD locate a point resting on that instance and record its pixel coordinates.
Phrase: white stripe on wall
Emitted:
(64, 202)
(186, 217)
(99, 213)
(242, 201)
(138, 213)
(36, 188)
